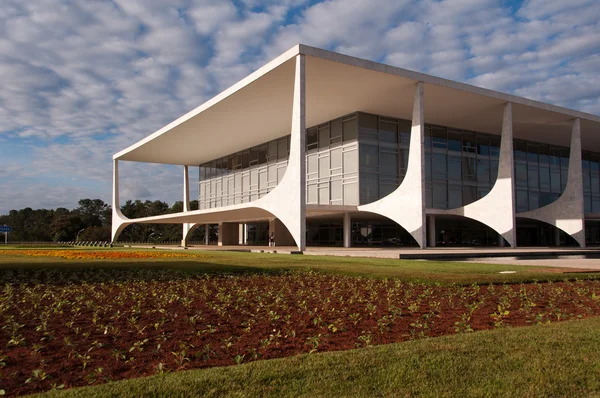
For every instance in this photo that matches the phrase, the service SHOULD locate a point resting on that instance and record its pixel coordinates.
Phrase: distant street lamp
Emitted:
(150, 236)
(77, 237)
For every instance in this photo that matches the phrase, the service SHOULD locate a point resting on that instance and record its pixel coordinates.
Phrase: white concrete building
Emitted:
(319, 148)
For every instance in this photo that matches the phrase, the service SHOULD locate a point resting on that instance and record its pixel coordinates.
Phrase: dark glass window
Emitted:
(427, 139)
(439, 166)
(544, 153)
(521, 175)
(533, 176)
(454, 141)
(454, 196)
(438, 138)
(253, 156)
(483, 145)
(532, 153)
(324, 136)
(555, 157)
(469, 144)
(454, 168)
(404, 127)
(483, 171)
(336, 130)
(388, 131)
(555, 180)
(522, 201)
(545, 178)
(440, 194)
(262, 154)
(520, 150)
(469, 170)
(534, 200)
(312, 138)
(367, 126)
(369, 158)
(495, 146)
(350, 131)
(388, 163)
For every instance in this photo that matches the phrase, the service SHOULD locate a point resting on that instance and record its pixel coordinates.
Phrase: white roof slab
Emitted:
(259, 108)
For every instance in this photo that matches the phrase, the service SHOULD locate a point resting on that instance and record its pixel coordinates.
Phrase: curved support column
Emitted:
(119, 221)
(566, 213)
(287, 201)
(406, 205)
(192, 227)
(497, 208)
(186, 205)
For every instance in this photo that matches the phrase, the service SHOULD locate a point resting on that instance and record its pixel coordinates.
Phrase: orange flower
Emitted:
(101, 255)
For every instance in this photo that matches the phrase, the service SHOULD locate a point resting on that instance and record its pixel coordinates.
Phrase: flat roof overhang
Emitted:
(259, 108)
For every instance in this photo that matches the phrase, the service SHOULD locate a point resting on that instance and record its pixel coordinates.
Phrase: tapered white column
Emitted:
(118, 223)
(206, 234)
(566, 213)
(406, 205)
(287, 201)
(497, 208)
(186, 204)
(347, 230)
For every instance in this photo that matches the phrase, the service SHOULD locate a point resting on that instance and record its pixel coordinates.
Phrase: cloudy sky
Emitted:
(82, 80)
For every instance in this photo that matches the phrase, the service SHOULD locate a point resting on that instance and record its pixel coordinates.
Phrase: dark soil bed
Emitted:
(60, 329)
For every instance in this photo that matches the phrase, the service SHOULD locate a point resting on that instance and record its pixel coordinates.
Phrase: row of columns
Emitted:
(406, 205)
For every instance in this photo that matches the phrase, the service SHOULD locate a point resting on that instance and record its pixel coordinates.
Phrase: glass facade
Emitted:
(458, 231)
(257, 234)
(592, 233)
(332, 162)
(360, 158)
(383, 155)
(324, 233)
(243, 176)
(460, 166)
(591, 182)
(380, 233)
(331, 168)
(540, 174)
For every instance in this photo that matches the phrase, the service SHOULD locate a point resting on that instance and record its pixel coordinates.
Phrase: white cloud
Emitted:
(83, 80)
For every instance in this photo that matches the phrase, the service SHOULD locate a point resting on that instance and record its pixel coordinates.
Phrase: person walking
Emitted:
(272, 240)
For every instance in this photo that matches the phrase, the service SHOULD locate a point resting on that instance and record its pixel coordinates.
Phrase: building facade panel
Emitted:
(331, 168)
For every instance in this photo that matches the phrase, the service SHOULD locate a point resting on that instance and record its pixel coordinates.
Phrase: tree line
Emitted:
(91, 221)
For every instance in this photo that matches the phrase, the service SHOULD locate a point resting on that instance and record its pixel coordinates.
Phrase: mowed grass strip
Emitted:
(220, 261)
(545, 360)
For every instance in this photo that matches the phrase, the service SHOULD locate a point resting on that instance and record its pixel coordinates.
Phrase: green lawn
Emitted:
(406, 270)
(546, 360)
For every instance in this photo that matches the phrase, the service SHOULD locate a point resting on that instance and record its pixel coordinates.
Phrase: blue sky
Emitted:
(83, 80)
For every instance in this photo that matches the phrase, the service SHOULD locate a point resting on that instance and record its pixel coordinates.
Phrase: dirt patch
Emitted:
(61, 329)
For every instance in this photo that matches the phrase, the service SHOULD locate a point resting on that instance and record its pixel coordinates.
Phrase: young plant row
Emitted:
(67, 328)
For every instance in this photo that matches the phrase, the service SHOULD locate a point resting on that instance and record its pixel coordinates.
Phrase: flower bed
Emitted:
(71, 328)
(101, 254)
